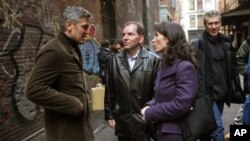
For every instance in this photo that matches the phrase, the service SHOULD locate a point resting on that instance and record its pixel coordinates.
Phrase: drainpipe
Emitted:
(145, 20)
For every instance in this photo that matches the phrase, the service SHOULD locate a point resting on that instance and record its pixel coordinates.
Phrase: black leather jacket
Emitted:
(127, 91)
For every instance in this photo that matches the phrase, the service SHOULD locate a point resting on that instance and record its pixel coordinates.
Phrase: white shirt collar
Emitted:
(135, 56)
(132, 59)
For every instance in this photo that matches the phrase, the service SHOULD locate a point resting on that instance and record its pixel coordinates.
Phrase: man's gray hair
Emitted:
(211, 14)
(73, 14)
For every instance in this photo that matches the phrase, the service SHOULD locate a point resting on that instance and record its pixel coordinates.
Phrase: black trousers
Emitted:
(122, 138)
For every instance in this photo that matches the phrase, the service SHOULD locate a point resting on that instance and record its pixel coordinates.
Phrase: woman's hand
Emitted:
(143, 112)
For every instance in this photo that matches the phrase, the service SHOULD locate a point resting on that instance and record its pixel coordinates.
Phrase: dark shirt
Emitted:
(71, 41)
(219, 69)
(74, 44)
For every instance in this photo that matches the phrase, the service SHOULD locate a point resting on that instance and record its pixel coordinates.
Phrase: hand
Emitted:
(143, 112)
(144, 109)
(111, 123)
(81, 105)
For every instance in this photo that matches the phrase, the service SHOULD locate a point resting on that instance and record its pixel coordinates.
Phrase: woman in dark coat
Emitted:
(176, 82)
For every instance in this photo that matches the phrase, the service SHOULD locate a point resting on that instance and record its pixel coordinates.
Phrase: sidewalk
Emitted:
(97, 121)
(103, 132)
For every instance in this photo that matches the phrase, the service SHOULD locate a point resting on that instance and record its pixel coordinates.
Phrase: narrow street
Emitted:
(104, 133)
(107, 134)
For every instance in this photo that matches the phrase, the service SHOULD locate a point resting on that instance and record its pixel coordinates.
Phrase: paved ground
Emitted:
(104, 133)
(98, 124)
(107, 134)
(229, 114)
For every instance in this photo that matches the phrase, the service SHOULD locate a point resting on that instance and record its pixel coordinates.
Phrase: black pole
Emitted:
(145, 20)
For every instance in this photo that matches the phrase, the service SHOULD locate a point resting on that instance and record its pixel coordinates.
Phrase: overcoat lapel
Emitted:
(70, 49)
(77, 58)
(169, 70)
(123, 61)
(137, 64)
(140, 59)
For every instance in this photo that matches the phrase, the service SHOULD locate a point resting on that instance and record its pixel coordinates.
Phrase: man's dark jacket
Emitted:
(127, 91)
(206, 62)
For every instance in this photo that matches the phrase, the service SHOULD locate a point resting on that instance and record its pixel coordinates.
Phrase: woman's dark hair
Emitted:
(178, 47)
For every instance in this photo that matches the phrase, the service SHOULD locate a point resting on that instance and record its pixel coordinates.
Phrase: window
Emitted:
(191, 5)
(199, 5)
(200, 21)
(207, 5)
(192, 21)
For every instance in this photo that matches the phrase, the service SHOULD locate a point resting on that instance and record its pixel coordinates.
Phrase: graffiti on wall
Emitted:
(18, 52)
(16, 10)
(90, 50)
(19, 46)
(17, 58)
(11, 14)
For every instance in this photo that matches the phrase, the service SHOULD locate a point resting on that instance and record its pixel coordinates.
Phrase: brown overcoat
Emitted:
(56, 83)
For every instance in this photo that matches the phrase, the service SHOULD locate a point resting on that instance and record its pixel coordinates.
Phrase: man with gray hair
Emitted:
(56, 81)
(214, 72)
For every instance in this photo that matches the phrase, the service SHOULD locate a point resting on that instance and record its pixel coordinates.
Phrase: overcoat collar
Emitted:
(139, 61)
(71, 47)
(168, 69)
